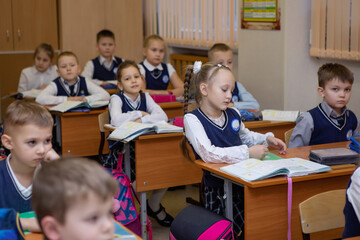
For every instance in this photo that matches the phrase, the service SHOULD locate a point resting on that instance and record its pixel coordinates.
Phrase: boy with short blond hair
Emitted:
(102, 69)
(27, 134)
(73, 199)
(330, 121)
(70, 86)
(241, 99)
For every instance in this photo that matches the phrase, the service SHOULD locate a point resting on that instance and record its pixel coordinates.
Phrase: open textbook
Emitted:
(130, 130)
(254, 169)
(69, 105)
(278, 115)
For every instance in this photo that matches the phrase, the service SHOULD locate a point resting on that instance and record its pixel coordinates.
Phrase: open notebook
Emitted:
(254, 169)
(130, 130)
(69, 105)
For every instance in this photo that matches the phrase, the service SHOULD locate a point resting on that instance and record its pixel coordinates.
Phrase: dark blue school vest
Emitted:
(81, 91)
(326, 131)
(101, 73)
(352, 225)
(224, 136)
(11, 196)
(160, 83)
(127, 107)
(235, 95)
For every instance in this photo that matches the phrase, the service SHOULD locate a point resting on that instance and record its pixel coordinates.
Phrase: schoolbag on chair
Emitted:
(198, 223)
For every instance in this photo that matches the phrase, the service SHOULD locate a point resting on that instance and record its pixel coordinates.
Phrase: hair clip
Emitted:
(219, 65)
(197, 66)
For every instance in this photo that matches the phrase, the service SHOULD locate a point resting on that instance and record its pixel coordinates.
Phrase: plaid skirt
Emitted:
(215, 202)
(111, 160)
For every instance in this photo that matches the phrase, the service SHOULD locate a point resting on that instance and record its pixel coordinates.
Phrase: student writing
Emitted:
(330, 121)
(42, 73)
(102, 69)
(158, 75)
(241, 98)
(73, 199)
(69, 86)
(27, 134)
(130, 104)
(217, 134)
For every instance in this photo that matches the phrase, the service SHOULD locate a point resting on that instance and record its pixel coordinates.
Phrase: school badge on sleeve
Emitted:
(165, 79)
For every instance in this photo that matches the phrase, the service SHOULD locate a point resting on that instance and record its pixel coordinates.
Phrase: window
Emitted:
(335, 29)
(193, 22)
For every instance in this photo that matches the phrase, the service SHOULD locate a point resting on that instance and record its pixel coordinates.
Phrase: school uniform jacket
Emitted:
(101, 73)
(159, 82)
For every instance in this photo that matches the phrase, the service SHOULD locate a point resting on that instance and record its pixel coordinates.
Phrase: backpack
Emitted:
(198, 223)
(127, 214)
(10, 227)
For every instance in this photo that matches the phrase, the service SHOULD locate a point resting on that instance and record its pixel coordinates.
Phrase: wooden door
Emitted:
(34, 22)
(125, 19)
(6, 33)
(80, 21)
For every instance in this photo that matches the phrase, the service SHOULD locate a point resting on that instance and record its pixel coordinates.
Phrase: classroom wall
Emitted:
(276, 67)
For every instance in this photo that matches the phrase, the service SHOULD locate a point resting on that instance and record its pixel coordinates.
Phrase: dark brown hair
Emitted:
(330, 71)
(123, 65)
(104, 33)
(47, 48)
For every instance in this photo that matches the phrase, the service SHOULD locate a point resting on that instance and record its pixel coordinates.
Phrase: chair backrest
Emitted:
(181, 61)
(287, 136)
(103, 119)
(323, 211)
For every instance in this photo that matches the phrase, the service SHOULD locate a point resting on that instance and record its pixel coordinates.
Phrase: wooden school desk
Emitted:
(266, 200)
(78, 132)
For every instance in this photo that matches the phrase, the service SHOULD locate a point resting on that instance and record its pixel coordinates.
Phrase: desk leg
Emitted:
(58, 130)
(228, 199)
(143, 215)
(127, 160)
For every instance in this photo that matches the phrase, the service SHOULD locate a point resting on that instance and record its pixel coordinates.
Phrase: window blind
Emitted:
(193, 22)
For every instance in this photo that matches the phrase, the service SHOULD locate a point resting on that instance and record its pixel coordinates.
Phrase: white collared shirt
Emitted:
(196, 135)
(156, 113)
(49, 95)
(31, 78)
(150, 67)
(89, 70)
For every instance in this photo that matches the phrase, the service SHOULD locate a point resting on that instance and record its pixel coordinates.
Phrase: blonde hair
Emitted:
(61, 183)
(66, 54)
(22, 112)
(150, 38)
(206, 74)
(217, 47)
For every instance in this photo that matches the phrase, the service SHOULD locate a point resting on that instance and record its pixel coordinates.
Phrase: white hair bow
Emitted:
(197, 66)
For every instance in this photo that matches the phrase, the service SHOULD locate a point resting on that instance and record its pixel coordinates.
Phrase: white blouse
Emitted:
(195, 133)
(156, 113)
(31, 78)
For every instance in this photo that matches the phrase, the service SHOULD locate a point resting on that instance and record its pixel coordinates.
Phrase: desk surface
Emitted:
(266, 200)
(301, 152)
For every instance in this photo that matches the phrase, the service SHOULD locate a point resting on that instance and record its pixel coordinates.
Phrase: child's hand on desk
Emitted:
(258, 151)
(276, 143)
(82, 99)
(51, 155)
(30, 224)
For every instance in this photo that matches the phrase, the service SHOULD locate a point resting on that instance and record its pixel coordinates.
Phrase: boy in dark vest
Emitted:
(330, 121)
(70, 86)
(27, 134)
(102, 69)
